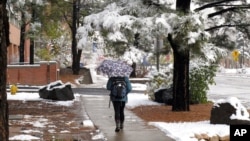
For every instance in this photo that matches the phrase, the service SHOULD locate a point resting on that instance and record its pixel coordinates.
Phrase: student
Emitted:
(119, 103)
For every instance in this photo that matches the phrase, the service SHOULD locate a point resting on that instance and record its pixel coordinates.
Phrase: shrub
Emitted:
(158, 81)
(199, 81)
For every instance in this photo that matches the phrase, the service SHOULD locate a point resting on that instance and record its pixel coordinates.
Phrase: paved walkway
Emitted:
(135, 129)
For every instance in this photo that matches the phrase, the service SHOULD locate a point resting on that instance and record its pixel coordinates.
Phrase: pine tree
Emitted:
(181, 98)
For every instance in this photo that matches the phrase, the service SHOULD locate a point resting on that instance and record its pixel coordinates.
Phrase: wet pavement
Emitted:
(135, 129)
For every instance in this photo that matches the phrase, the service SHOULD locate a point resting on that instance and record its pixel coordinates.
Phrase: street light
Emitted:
(159, 44)
(241, 46)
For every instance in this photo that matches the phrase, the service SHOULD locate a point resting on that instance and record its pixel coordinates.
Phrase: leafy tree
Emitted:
(30, 15)
(44, 53)
(57, 18)
(72, 12)
(4, 41)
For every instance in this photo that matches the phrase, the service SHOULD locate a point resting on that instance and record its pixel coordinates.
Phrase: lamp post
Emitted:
(243, 52)
(158, 53)
(241, 45)
(159, 45)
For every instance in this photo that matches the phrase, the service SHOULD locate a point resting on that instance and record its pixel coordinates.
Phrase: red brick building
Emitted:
(13, 48)
(40, 73)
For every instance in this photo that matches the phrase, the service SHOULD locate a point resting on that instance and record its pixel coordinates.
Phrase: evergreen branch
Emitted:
(226, 10)
(151, 3)
(227, 25)
(221, 12)
(212, 5)
(232, 5)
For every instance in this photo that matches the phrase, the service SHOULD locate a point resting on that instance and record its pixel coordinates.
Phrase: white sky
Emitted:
(179, 130)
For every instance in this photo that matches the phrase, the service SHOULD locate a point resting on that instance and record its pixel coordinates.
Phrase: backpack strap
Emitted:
(118, 79)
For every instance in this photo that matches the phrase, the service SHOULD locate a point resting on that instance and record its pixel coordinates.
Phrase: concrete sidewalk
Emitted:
(135, 129)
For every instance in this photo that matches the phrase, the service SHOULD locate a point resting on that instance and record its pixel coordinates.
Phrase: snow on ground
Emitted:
(180, 131)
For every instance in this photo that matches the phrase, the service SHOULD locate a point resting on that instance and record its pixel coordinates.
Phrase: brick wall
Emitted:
(38, 74)
(13, 48)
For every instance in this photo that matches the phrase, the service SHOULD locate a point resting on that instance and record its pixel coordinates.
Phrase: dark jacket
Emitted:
(128, 87)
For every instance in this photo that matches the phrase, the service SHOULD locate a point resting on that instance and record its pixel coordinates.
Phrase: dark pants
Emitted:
(119, 110)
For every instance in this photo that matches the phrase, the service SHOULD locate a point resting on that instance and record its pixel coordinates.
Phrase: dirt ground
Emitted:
(48, 121)
(66, 123)
(198, 112)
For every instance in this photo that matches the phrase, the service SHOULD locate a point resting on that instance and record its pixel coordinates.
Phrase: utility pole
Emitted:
(157, 53)
(159, 44)
(243, 52)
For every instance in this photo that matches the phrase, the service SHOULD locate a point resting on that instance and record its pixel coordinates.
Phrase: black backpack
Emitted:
(118, 90)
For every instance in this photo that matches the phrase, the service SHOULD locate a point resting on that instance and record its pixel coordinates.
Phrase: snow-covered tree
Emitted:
(119, 22)
(228, 24)
(186, 31)
(28, 11)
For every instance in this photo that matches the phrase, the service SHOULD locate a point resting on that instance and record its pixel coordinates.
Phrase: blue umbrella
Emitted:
(115, 68)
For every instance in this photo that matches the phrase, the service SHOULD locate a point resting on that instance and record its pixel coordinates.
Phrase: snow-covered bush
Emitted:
(199, 80)
(158, 81)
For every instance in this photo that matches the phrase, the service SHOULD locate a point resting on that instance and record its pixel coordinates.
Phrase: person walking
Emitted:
(119, 98)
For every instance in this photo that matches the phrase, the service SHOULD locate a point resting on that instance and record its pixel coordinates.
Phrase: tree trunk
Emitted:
(4, 41)
(183, 5)
(181, 67)
(75, 52)
(32, 43)
(133, 73)
(22, 40)
(181, 78)
(181, 81)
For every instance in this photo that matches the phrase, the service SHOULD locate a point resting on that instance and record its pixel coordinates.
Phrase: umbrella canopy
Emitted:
(115, 68)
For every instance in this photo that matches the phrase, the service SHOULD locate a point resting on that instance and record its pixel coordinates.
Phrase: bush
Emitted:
(199, 81)
(157, 82)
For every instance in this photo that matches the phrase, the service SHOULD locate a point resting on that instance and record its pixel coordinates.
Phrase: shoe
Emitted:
(117, 129)
(121, 127)
(117, 123)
